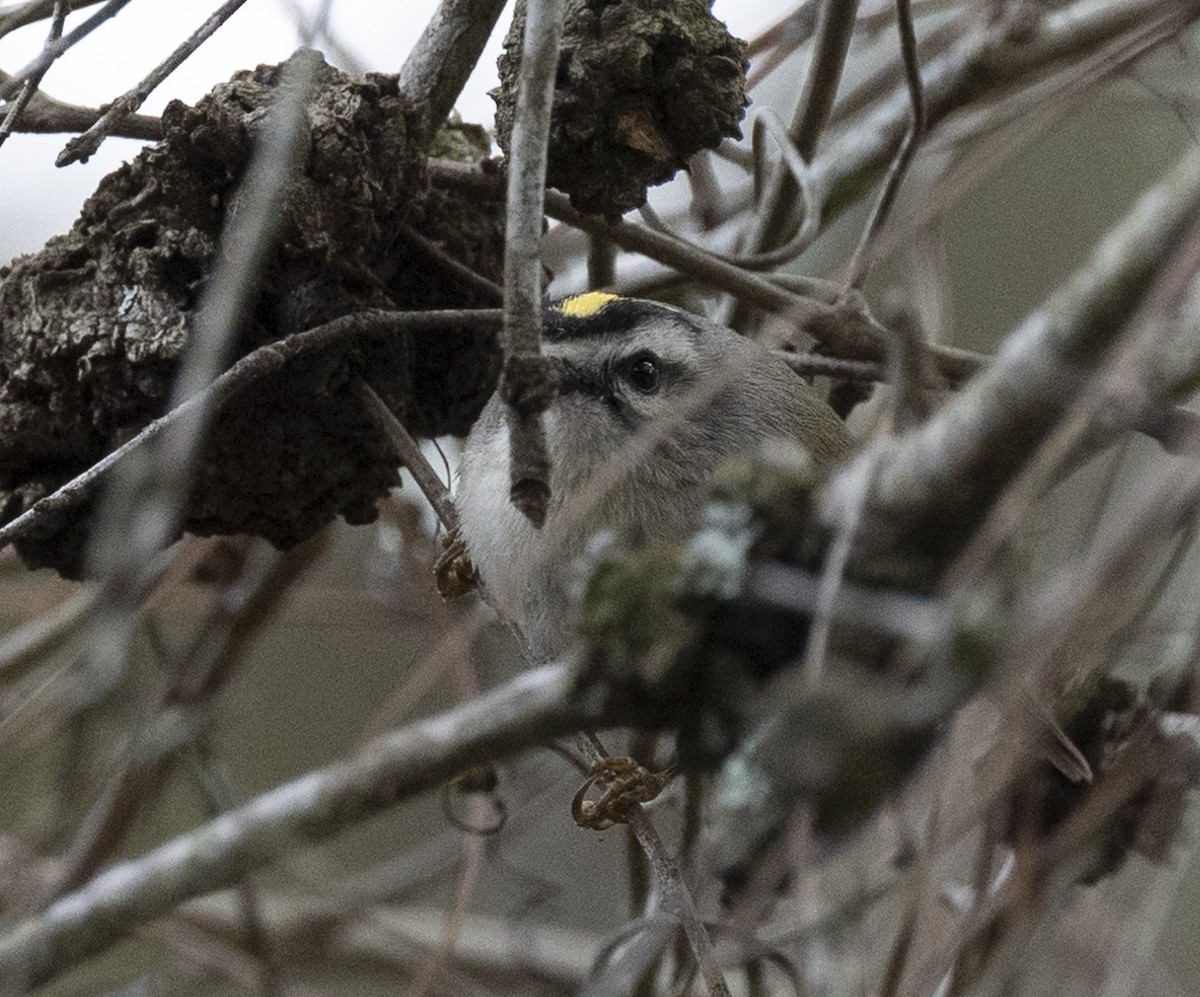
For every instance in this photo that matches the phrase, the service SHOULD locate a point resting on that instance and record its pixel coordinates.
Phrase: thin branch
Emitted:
(20, 14)
(845, 332)
(978, 67)
(50, 53)
(440, 63)
(778, 217)
(470, 278)
(410, 455)
(768, 50)
(527, 383)
(673, 896)
(531, 708)
(27, 645)
(859, 262)
(82, 147)
(30, 86)
(264, 361)
(47, 116)
(767, 122)
(835, 25)
(817, 365)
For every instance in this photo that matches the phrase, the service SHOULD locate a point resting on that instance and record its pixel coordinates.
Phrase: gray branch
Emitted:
(440, 63)
(528, 385)
(532, 708)
(932, 487)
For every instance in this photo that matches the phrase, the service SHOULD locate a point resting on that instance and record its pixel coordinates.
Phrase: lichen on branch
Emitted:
(641, 86)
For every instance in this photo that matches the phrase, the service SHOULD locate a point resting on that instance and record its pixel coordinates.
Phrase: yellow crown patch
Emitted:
(586, 305)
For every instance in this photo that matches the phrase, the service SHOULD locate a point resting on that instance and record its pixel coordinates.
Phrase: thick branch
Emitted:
(438, 66)
(932, 487)
(532, 708)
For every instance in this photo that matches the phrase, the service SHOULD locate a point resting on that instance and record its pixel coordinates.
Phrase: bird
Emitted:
(652, 399)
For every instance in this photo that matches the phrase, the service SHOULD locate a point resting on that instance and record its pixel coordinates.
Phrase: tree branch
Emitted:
(440, 63)
(45, 116)
(535, 706)
(932, 486)
(835, 26)
(20, 14)
(527, 384)
(52, 51)
(82, 147)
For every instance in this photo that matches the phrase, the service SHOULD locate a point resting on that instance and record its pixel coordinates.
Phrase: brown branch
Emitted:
(47, 116)
(410, 455)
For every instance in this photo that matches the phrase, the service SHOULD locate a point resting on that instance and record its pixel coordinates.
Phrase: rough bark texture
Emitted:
(93, 325)
(641, 86)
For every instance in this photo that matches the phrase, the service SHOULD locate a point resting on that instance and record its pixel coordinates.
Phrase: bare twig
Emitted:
(766, 181)
(981, 65)
(767, 50)
(527, 383)
(857, 268)
(846, 332)
(29, 87)
(25, 646)
(672, 895)
(36, 68)
(20, 14)
(262, 362)
(468, 276)
(938, 481)
(776, 222)
(82, 147)
(438, 66)
(45, 115)
(816, 365)
(531, 708)
(410, 455)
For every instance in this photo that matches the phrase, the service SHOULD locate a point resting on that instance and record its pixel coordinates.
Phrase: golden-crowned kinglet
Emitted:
(651, 400)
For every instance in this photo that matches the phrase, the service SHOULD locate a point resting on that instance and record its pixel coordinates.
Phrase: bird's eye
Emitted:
(642, 372)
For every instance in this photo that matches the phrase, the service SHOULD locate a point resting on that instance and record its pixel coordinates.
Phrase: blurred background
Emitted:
(355, 644)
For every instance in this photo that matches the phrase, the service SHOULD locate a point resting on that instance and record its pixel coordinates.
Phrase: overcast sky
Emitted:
(38, 200)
